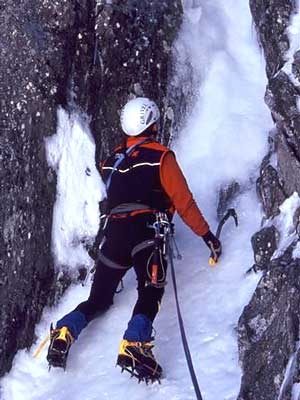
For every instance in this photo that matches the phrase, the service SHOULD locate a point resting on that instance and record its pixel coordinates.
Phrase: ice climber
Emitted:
(144, 182)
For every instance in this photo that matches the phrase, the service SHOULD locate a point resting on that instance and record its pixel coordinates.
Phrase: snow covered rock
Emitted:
(278, 30)
(269, 326)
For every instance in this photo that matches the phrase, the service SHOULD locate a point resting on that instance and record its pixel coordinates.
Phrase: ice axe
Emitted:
(230, 213)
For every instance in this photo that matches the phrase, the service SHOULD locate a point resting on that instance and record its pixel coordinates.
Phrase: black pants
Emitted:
(122, 237)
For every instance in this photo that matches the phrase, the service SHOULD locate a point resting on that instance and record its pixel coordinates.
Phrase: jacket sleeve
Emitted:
(176, 187)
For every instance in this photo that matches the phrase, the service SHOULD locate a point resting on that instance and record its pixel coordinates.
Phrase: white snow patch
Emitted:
(298, 103)
(285, 225)
(71, 152)
(293, 31)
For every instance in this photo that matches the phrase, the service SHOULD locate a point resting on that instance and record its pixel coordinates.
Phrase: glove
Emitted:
(93, 252)
(214, 244)
(94, 249)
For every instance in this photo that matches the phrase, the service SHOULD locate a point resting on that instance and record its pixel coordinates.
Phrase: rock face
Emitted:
(89, 56)
(269, 185)
(264, 244)
(268, 329)
(132, 55)
(272, 18)
(34, 46)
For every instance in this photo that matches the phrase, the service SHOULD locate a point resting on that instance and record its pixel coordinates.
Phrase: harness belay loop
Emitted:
(160, 244)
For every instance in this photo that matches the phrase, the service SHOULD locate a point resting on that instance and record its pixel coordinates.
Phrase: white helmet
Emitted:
(137, 115)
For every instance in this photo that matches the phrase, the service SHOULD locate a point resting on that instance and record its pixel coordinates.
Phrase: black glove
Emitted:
(93, 252)
(94, 249)
(214, 244)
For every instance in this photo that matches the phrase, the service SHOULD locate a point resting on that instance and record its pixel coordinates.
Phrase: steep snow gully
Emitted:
(224, 139)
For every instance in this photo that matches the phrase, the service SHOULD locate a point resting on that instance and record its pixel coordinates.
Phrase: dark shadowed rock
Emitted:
(269, 185)
(268, 330)
(36, 51)
(296, 65)
(270, 190)
(264, 244)
(281, 97)
(271, 19)
(289, 167)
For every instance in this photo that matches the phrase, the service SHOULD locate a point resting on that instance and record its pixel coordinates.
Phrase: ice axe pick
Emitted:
(230, 213)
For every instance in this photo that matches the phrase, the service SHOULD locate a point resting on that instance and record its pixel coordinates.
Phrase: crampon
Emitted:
(137, 359)
(60, 343)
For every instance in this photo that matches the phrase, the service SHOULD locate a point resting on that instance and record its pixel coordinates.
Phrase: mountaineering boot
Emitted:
(137, 358)
(60, 343)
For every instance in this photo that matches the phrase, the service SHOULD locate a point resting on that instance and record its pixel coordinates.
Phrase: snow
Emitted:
(224, 139)
(298, 103)
(285, 225)
(76, 218)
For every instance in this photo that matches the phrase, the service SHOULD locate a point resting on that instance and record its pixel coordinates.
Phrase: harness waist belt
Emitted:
(128, 207)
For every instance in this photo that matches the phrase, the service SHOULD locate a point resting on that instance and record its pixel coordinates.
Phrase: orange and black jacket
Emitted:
(150, 175)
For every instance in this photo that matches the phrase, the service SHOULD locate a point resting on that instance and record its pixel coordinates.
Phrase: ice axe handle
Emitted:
(212, 262)
(213, 259)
